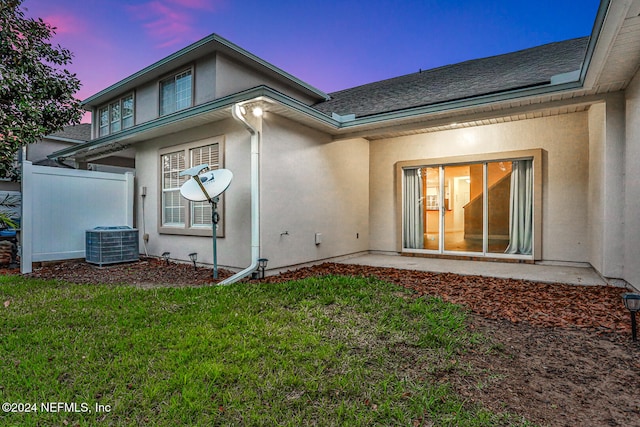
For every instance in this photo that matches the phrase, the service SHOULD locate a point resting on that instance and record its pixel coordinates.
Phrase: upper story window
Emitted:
(116, 116)
(175, 93)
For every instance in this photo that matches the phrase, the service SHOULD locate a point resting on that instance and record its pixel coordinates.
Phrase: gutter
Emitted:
(238, 112)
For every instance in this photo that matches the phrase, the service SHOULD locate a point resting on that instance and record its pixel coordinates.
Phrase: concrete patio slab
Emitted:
(576, 275)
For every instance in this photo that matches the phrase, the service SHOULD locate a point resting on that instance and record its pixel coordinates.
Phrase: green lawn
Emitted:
(331, 351)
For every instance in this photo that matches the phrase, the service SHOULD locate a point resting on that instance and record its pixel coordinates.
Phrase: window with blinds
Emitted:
(172, 201)
(178, 213)
(201, 211)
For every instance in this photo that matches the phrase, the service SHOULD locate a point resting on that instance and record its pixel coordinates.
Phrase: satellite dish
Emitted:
(214, 183)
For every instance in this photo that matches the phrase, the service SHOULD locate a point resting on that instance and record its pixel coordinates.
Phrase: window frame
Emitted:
(109, 126)
(188, 228)
(535, 154)
(173, 76)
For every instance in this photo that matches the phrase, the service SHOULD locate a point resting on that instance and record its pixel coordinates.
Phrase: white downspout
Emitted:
(255, 198)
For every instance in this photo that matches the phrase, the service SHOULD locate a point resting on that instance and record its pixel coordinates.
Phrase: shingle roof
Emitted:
(81, 132)
(525, 68)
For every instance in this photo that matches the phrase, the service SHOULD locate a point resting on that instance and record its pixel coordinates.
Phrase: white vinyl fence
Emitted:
(60, 205)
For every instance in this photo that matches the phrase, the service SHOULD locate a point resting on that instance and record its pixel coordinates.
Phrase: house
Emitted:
(531, 156)
(69, 136)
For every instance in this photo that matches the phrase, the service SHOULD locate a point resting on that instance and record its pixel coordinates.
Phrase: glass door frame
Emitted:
(535, 155)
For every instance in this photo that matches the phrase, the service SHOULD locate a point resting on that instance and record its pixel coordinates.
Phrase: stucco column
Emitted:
(632, 185)
(613, 163)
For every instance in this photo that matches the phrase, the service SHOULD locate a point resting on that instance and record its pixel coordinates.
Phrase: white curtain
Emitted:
(413, 210)
(521, 208)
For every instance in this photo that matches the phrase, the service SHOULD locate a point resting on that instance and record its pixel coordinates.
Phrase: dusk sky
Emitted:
(329, 44)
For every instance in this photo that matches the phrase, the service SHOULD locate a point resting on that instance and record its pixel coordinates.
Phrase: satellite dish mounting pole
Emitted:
(210, 185)
(214, 224)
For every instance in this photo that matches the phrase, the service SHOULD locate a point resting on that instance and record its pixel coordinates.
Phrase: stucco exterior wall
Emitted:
(147, 96)
(597, 140)
(233, 77)
(564, 140)
(39, 151)
(147, 104)
(205, 76)
(214, 76)
(606, 185)
(632, 185)
(311, 185)
(234, 249)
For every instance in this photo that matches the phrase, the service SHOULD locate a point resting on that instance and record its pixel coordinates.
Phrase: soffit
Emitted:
(623, 57)
(127, 141)
(480, 115)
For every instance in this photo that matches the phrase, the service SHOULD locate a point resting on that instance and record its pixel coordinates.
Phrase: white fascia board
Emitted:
(610, 18)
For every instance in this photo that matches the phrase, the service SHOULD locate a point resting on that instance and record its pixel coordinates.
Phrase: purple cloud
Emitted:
(170, 22)
(65, 23)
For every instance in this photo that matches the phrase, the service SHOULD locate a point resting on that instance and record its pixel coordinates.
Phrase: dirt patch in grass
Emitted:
(558, 355)
(554, 376)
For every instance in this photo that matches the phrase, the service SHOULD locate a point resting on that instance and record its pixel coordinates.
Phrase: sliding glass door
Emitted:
(482, 208)
(464, 210)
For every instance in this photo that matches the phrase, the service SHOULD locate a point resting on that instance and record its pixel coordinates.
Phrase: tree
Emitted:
(36, 92)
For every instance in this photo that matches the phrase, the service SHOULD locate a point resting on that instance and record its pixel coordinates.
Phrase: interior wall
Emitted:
(565, 141)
